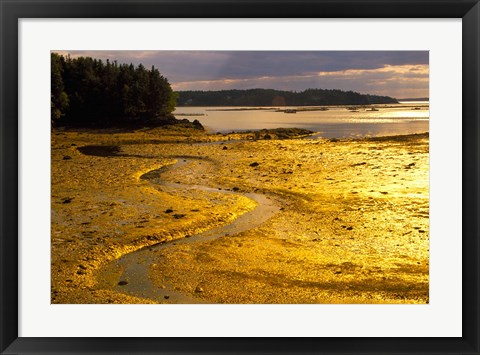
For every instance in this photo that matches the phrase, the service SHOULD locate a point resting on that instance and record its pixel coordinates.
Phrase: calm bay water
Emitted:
(337, 121)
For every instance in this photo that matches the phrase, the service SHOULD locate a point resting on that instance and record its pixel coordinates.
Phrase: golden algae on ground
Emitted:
(352, 225)
(102, 209)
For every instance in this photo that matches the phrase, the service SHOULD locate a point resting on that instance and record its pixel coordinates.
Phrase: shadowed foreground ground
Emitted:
(351, 224)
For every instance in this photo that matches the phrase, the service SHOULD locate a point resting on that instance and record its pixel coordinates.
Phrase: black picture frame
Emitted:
(13, 10)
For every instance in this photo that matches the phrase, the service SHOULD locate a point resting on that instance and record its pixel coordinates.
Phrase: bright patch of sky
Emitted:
(400, 74)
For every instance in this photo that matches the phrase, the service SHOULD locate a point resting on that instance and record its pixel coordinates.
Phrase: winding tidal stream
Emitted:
(134, 279)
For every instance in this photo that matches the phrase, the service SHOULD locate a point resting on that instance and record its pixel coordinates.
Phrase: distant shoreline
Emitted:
(254, 134)
(261, 108)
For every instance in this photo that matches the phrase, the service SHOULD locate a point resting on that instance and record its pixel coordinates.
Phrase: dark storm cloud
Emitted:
(251, 64)
(211, 65)
(290, 70)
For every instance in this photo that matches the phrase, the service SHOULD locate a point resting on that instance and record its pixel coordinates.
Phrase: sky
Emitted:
(399, 74)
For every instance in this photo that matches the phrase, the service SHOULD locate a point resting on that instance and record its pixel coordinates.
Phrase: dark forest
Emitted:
(88, 92)
(270, 97)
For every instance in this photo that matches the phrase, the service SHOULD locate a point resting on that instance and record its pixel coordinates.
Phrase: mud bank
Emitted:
(351, 221)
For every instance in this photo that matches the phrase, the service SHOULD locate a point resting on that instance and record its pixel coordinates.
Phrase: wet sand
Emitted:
(350, 223)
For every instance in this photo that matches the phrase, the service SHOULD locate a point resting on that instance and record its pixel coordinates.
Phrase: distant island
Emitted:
(415, 99)
(271, 97)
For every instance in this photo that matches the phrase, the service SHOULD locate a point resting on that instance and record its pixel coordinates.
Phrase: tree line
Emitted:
(270, 97)
(87, 91)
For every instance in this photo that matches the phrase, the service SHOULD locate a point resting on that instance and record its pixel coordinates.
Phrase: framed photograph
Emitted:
(239, 177)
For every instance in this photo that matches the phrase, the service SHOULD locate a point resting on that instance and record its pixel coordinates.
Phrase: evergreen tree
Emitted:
(87, 91)
(58, 96)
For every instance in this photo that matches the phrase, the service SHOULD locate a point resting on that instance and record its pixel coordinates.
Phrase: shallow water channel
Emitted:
(134, 280)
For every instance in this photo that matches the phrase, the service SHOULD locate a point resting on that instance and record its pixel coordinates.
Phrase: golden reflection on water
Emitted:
(336, 121)
(411, 114)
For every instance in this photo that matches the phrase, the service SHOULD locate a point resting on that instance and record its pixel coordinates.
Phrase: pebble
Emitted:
(199, 289)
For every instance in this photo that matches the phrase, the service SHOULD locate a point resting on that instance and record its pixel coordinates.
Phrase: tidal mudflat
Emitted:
(180, 216)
